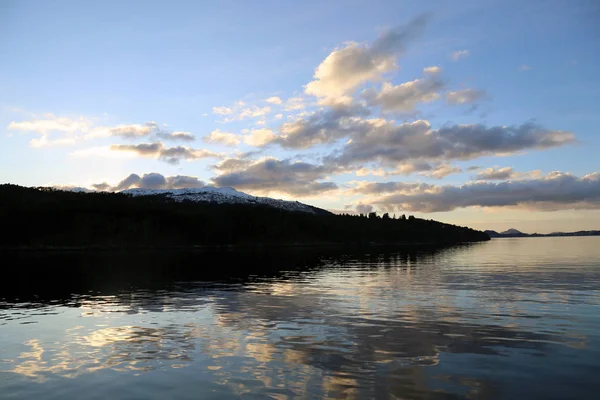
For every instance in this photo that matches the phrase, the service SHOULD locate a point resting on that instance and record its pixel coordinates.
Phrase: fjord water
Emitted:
(505, 319)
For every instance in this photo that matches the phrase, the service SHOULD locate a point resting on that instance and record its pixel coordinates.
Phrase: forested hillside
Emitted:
(45, 217)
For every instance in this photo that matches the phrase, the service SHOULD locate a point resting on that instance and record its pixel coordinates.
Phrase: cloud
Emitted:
(424, 168)
(365, 187)
(224, 138)
(324, 126)
(222, 110)
(233, 164)
(259, 137)
(405, 96)
(179, 135)
(239, 112)
(498, 174)
(364, 208)
(525, 67)
(172, 155)
(71, 188)
(272, 175)
(133, 130)
(432, 70)
(294, 103)
(441, 171)
(374, 172)
(52, 123)
(556, 191)
(45, 141)
(465, 96)
(348, 67)
(274, 100)
(395, 144)
(490, 174)
(457, 55)
(104, 152)
(102, 187)
(151, 181)
(68, 131)
(254, 112)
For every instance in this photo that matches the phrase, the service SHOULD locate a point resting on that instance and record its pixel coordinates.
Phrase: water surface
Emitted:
(505, 319)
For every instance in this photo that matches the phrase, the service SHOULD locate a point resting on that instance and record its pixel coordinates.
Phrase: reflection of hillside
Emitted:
(66, 279)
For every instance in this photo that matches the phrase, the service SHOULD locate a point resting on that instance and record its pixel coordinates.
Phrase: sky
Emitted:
(476, 113)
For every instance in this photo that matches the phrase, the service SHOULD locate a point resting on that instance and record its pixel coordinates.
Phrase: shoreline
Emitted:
(249, 246)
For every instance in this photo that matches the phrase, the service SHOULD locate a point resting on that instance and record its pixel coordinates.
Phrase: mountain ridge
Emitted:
(57, 219)
(515, 233)
(223, 195)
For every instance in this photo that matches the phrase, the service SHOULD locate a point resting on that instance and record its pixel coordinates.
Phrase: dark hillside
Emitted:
(45, 217)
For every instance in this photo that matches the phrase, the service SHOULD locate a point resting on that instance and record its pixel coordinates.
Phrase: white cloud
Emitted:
(222, 110)
(274, 100)
(457, 55)
(254, 112)
(348, 67)
(52, 123)
(525, 67)
(323, 126)
(294, 103)
(405, 96)
(259, 137)
(498, 174)
(45, 141)
(68, 131)
(278, 116)
(374, 172)
(432, 70)
(103, 152)
(225, 138)
(466, 96)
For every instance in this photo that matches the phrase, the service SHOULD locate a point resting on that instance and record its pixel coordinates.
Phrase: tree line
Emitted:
(45, 217)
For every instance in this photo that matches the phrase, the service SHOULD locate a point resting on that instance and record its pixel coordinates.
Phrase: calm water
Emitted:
(506, 319)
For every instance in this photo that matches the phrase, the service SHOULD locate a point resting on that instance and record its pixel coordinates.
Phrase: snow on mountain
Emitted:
(210, 194)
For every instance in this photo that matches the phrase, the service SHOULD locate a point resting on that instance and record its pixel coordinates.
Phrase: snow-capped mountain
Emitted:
(210, 194)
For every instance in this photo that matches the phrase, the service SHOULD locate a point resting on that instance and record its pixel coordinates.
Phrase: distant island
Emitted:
(512, 233)
(52, 218)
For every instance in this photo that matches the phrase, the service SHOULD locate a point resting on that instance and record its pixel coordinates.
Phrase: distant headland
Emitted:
(512, 233)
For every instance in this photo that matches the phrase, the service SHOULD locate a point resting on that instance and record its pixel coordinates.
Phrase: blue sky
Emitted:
(481, 113)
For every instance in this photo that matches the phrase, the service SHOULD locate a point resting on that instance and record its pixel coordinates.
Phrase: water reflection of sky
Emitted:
(467, 322)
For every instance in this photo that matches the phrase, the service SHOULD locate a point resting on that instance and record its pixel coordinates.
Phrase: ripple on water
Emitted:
(503, 319)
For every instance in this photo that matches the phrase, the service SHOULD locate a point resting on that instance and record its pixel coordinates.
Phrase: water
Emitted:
(506, 319)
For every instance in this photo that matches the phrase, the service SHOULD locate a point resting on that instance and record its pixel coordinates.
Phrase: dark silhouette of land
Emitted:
(513, 233)
(51, 218)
